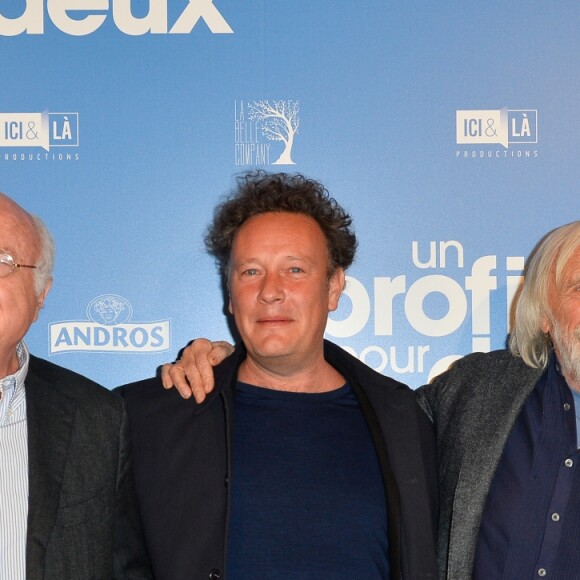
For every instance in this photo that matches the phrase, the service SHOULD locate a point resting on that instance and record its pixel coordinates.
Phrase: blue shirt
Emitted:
(531, 522)
(307, 496)
(576, 396)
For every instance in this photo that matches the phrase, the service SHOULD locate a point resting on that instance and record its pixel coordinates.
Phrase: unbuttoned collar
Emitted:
(12, 384)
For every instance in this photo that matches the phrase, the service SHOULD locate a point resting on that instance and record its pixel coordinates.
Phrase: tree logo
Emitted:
(258, 124)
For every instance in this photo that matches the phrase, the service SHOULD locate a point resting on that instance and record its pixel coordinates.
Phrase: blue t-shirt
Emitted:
(308, 500)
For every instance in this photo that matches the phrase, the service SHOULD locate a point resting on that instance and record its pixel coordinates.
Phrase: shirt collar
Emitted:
(15, 382)
(554, 368)
(553, 380)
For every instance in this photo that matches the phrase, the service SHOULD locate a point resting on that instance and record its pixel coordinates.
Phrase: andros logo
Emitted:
(109, 329)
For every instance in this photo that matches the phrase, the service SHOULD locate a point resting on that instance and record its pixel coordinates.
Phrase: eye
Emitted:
(296, 270)
(250, 272)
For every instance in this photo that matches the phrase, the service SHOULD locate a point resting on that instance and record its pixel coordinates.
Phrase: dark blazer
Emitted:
(182, 467)
(474, 406)
(83, 521)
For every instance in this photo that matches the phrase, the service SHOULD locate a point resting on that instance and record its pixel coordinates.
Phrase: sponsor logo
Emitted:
(450, 298)
(504, 127)
(44, 130)
(39, 131)
(264, 132)
(81, 18)
(109, 328)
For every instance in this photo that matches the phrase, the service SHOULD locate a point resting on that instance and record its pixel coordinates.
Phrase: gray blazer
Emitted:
(474, 406)
(83, 521)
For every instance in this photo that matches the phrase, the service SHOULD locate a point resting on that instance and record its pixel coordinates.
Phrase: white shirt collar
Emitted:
(12, 386)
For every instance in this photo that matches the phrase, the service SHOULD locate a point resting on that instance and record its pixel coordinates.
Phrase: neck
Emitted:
(574, 384)
(317, 377)
(569, 367)
(8, 364)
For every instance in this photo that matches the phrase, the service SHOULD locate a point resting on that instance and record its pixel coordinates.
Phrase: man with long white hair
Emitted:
(508, 431)
(508, 425)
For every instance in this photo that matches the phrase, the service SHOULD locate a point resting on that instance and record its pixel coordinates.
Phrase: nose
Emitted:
(271, 289)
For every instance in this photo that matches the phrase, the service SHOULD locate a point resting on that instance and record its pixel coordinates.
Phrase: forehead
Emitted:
(571, 268)
(273, 231)
(17, 230)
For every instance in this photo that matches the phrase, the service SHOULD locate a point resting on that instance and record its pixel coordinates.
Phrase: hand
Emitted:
(193, 373)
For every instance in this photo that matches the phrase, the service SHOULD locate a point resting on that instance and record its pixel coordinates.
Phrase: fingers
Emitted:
(194, 381)
(198, 368)
(220, 350)
(165, 377)
(193, 374)
(173, 375)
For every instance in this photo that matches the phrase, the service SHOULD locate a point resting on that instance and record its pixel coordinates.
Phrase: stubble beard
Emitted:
(568, 347)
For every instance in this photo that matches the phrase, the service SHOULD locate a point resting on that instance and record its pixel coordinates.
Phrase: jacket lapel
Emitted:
(487, 441)
(50, 419)
(390, 409)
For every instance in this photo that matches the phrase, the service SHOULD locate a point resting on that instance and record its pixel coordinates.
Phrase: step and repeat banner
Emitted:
(450, 131)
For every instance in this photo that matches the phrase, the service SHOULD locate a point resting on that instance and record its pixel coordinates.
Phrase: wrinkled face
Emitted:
(280, 291)
(563, 322)
(19, 304)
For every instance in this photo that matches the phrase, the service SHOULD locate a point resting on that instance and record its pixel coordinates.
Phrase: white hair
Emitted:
(43, 271)
(544, 267)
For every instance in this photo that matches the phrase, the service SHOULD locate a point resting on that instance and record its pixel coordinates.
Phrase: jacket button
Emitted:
(215, 574)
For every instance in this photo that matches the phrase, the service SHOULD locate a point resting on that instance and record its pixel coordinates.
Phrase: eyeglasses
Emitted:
(7, 265)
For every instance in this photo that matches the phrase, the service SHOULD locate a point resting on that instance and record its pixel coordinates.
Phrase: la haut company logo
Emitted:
(264, 132)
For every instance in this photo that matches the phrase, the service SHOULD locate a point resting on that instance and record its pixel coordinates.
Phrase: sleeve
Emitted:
(426, 398)
(430, 395)
(130, 559)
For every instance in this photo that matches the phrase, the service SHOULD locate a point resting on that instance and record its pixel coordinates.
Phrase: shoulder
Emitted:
(355, 370)
(148, 402)
(150, 387)
(55, 394)
(388, 398)
(67, 382)
(484, 366)
(478, 375)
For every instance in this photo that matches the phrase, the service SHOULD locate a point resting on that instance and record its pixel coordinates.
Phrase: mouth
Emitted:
(274, 320)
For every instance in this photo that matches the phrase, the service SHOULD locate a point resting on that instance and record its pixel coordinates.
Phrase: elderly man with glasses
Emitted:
(67, 506)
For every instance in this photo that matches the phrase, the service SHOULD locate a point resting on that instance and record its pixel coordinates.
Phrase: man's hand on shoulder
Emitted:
(193, 373)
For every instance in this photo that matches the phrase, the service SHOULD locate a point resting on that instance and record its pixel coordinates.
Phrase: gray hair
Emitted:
(548, 258)
(43, 271)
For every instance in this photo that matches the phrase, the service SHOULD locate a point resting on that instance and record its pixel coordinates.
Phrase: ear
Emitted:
(227, 285)
(42, 297)
(546, 324)
(335, 288)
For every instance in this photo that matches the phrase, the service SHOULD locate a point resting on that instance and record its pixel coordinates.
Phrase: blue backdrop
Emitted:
(448, 130)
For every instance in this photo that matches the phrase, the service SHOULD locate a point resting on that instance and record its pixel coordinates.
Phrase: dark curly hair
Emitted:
(260, 192)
